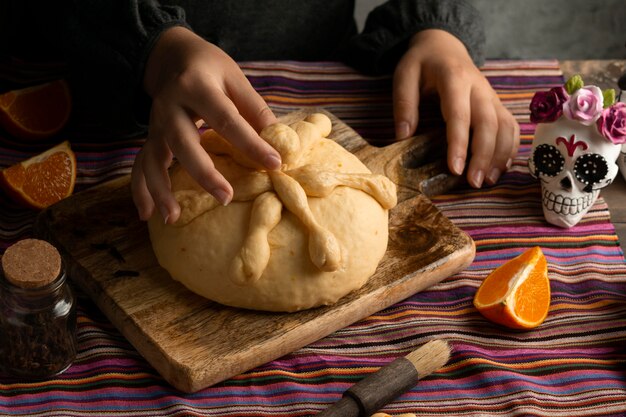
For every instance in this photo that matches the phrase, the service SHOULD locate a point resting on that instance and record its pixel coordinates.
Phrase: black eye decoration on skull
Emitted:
(548, 160)
(590, 169)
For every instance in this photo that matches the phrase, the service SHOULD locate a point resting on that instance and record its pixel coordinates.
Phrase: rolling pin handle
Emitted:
(384, 386)
(345, 407)
(375, 391)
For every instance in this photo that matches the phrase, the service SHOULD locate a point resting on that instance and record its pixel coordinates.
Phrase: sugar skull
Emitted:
(621, 162)
(575, 149)
(573, 162)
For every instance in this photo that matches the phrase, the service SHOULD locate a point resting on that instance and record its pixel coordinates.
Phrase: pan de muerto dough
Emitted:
(292, 239)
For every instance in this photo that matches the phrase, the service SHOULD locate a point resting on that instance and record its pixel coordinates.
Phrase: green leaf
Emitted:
(574, 83)
(609, 97)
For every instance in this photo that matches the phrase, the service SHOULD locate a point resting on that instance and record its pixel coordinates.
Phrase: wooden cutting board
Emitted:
(195, 343)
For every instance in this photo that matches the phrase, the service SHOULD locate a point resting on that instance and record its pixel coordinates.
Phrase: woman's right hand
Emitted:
(190, 79)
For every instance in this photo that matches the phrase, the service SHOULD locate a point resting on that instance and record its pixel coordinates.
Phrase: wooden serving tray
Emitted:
(195, 343)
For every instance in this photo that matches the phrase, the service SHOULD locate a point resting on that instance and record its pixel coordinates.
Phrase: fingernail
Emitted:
(272, 162)
(143, 214)
(458, 165)
(402, 130)
(221, 195)
(164, 213)
(509, 163)
(477, 178)
(493, 176)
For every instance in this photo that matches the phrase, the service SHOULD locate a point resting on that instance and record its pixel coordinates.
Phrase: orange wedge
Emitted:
(517, 293)
(36, 112)
(42, 180)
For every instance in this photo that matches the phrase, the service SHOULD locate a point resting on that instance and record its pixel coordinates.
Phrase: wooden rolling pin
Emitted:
(389, 382)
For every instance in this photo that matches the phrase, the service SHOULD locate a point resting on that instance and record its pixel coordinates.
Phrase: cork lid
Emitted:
(31, 263)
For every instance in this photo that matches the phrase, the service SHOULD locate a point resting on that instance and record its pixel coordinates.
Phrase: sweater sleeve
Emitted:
(120, 33)
(105, 45)
(108, 44)
(389, 27)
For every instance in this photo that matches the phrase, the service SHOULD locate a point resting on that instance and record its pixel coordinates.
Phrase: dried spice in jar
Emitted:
(37, 312)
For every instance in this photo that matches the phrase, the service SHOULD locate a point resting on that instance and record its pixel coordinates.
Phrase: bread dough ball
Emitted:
(292, 239)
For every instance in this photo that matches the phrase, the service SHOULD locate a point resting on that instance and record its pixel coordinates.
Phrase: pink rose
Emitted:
(585, 105)
(547, 106)
(612, 123)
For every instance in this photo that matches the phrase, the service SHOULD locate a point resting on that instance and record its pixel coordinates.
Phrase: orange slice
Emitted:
(36, 112)
(517, 293)
(43, 179)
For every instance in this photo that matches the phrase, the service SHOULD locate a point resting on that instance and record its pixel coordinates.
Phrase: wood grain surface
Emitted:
(195, 343)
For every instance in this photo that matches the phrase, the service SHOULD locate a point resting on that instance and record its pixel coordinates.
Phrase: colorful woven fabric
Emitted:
(572, 365)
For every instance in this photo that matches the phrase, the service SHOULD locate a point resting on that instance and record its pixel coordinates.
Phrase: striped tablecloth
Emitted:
(572, 365)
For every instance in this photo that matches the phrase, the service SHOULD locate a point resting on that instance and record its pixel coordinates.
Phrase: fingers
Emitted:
(150, 183)
(249, 103)
(141, 196)
(485, 129)
(183, 141)
(455, 98)
(494, 132)
(183, 90)
(150, 178)
(482, 134)
(154, 165)
(228, 103)
(506, 143)
(222, 114)
(179, 136)
(406, 96)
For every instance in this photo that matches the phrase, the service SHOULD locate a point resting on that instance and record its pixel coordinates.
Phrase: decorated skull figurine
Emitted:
(621, 161)
(580, 131)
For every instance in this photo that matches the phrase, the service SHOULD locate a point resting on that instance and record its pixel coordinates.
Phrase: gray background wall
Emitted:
(562, 29)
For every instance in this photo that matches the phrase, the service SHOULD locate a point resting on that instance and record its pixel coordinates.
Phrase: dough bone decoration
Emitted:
(288, 187)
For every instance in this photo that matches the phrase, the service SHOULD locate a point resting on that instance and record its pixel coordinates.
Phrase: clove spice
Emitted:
(37, 312)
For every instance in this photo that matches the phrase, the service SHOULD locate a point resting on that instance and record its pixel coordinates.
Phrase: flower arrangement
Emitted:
(587, 105)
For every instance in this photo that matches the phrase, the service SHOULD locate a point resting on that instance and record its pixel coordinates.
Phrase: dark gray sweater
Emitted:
(105, 43)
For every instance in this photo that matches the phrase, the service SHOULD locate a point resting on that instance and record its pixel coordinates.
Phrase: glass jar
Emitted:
(37, 327)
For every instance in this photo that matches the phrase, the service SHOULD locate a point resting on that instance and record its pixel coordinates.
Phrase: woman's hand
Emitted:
(190, 79)
(437, 62)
